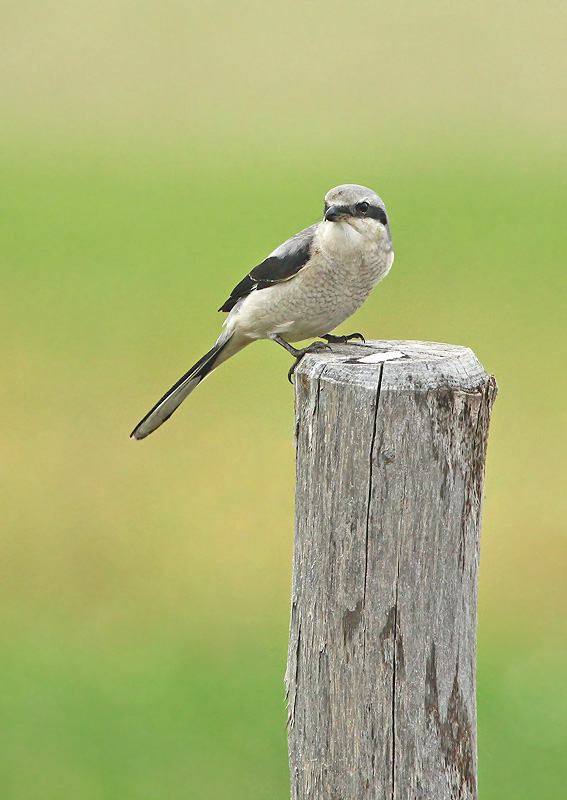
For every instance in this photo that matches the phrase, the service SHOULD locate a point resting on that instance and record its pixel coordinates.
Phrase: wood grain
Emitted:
(381, 666)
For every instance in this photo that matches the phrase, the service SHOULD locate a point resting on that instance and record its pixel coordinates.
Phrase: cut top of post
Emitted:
(397, 365)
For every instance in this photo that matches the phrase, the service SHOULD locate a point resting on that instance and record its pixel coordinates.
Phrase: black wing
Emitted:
(281, 265)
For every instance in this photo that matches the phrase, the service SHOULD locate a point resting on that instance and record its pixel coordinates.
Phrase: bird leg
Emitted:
(342, 339)
(315, 347)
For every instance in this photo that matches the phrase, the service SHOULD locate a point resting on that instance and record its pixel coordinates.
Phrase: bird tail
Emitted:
(165, 407)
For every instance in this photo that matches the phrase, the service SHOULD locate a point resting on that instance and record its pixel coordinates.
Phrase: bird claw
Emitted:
(316, 347)
(343, 339)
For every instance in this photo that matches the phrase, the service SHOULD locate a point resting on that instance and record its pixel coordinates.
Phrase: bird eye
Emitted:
(363, 207)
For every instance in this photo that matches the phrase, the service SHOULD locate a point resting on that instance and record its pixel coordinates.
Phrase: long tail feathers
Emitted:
(165, 407)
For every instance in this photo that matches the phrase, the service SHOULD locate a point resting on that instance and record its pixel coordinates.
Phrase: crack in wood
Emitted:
(370, 472)
(291, 709)
(394, 677)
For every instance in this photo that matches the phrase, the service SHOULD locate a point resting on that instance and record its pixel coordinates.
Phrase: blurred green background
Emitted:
(151, 154)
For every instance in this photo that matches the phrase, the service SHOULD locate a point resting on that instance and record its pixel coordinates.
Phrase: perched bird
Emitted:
(308, 286)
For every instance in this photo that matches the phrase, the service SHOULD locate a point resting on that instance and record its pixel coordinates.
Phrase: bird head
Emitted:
(358, 207)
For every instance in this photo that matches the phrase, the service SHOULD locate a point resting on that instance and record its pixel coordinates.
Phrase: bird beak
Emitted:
(332, 214)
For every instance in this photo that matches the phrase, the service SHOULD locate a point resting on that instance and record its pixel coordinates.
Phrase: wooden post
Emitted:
(381, 666)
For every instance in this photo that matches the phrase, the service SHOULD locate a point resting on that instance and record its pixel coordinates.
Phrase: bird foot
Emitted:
(342, 339)
(316, 347)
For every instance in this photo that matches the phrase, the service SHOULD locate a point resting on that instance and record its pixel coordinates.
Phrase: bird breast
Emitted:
(335, 282)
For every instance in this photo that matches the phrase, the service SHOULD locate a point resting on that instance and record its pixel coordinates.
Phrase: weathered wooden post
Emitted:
(381, 665)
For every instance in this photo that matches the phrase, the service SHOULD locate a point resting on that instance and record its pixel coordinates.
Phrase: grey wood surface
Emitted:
(381, 665)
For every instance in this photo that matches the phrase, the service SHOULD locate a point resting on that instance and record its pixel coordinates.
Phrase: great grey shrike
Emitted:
(308, 286)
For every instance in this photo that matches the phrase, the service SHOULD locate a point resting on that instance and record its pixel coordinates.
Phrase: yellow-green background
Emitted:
(151, 154)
